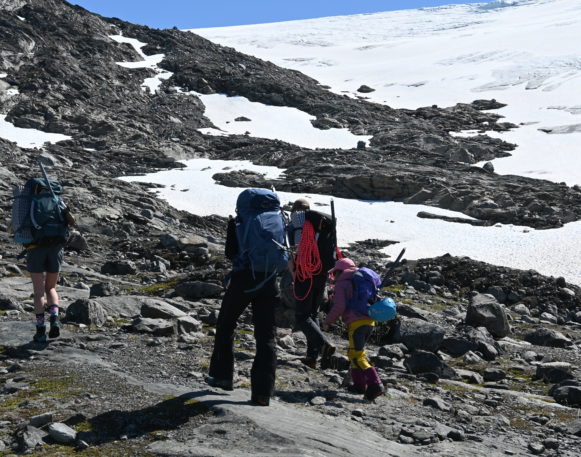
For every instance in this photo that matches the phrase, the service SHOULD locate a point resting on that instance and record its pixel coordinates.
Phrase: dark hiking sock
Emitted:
(54, 310)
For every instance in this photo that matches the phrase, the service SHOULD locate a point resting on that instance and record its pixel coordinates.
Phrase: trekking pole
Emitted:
(334, 222)
(45, 176)
(391, 269)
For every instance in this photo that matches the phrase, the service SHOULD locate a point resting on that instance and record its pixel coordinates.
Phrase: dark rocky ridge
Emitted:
(64, 66)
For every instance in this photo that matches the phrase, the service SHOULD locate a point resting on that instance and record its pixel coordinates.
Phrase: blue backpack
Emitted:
(365, 284)
(260, 232)
(383, 310)
(37, 215)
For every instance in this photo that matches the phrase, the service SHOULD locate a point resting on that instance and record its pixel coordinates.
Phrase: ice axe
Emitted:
(392, 268)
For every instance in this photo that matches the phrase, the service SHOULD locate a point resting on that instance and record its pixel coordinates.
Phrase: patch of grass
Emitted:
(459, 388)
(59, 387)
(432, 308)
(32, 401)
(116, 449)
(84, 426)
(559, 415)
(394, 289)
(159, 289)
(117, 322)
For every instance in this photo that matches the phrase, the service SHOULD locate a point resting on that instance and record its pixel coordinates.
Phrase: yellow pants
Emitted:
(359, 331)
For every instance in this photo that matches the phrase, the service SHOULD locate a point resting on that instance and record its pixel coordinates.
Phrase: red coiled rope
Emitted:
(308, 260)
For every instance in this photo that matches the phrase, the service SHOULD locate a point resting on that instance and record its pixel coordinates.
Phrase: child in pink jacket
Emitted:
(365, 377)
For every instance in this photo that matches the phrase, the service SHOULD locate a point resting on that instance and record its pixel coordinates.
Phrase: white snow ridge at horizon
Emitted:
(522, 53)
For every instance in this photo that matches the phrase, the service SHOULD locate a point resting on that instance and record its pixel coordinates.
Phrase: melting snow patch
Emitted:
(274, 122)
(554, 252)
(152, 61)
(27, 138)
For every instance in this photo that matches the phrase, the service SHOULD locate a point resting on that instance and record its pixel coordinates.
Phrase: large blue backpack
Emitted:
(260, 231)
(365, 284)
(38, 215)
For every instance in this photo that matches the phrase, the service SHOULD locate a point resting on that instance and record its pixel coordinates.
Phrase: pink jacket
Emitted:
(343, 292)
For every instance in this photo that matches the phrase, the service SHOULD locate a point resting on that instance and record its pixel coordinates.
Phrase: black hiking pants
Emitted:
(306, 313)
(263, 302)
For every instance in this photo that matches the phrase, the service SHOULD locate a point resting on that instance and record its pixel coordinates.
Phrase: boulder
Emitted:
(364, 89)
(427, 362)
(497, 292)
(9, 303)
(546, 337)
(485, 311)
(419, 334)
(77, 242)
(157, 327)
(188, 324)
(102, 289)
(554, 372)
(62, 433)
(158, 309)
(467, 339)
(457, 346)
(123, 305)
(86, 311)
(567, 395)
(29, 437)
(119, 267)
(493, 374)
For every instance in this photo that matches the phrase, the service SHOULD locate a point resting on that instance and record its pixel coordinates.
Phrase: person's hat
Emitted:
(300, 204)
(343, 264)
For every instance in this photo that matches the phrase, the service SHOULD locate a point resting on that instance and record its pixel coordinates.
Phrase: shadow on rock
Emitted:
(170, 414)
(25, 351)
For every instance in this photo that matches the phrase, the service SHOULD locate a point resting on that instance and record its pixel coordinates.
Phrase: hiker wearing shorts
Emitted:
(40, 222)
(365, 377)
(308, 286)
(44, 265)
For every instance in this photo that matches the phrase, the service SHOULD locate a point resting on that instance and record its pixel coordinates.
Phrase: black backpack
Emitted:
(325, 227)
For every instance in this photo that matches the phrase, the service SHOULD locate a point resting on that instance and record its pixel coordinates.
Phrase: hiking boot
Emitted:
(309, 362)
(326, 354)
(359, 385)
(260, 400)
(40, 335)
(373, 391)
(374, 385)
(55, 330)
(224, 384)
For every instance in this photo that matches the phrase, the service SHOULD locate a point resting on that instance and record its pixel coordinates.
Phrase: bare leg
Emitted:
(50, 288)
(38, 286)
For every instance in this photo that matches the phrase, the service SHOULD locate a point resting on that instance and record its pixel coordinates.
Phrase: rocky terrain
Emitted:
(64, 65)
(482, 361)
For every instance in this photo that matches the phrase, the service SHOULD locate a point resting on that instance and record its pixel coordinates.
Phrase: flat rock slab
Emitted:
(19, 335)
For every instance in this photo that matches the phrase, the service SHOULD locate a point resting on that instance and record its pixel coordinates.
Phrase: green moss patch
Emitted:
(159, 289)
